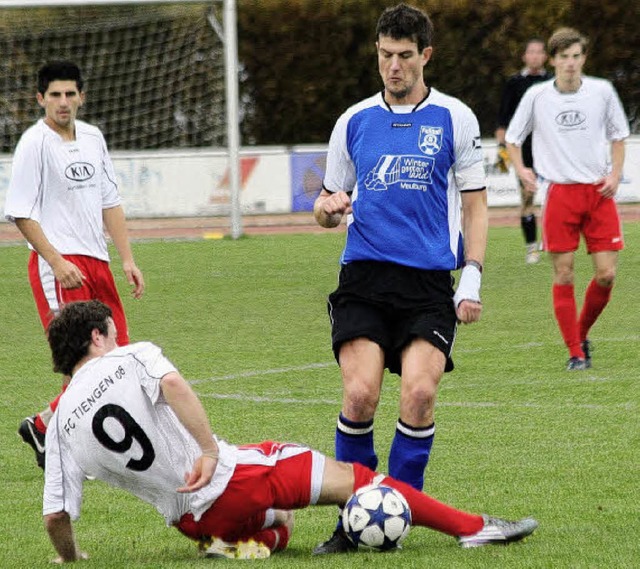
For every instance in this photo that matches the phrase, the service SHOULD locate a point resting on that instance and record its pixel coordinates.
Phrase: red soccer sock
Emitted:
(425, 510)
(276, 539)
(40, 421)
(39, 424)
(54, 404)
(564, 307)
(429, 512)
(595, 299)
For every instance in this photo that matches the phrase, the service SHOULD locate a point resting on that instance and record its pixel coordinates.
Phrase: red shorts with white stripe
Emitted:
(574, 209)
(50, 297)
(268, 476)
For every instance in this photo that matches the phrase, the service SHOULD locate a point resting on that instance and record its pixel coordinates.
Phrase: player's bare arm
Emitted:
(115, 222)
(526, 175)
(475, 229)
(65, 272)
(612, 181)
(329, 208)
(60, 532)
(191, 413)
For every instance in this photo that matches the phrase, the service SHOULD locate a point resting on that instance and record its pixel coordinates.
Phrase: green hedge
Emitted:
(305, 61)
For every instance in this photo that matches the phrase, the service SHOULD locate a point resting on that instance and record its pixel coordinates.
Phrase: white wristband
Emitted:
(469, 286)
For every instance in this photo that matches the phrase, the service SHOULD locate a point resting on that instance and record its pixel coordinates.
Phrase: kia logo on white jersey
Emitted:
(79, 171)
(570, 118)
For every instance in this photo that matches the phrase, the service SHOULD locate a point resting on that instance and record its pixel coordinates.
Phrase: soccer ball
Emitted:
(377, 517)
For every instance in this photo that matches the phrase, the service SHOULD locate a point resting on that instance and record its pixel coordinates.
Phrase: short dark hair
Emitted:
(58, 71)
(534, 39)
(69, 333)
(564, 38)
(403, 21)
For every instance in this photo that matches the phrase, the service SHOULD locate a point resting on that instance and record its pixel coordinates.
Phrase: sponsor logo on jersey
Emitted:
(409, 172)
(79, 171)
(570, 118)
(430, 139)
(401, 125)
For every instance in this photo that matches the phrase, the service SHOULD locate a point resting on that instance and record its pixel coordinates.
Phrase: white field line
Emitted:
(629, 406)
(257, 373)
(324, 365)
(588, 377)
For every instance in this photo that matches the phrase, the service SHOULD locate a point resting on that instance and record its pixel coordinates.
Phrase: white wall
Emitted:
(274, 180)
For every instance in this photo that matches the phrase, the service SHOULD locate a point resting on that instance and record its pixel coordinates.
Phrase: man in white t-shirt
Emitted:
(62, 195)
(130, 419)
(579, 127)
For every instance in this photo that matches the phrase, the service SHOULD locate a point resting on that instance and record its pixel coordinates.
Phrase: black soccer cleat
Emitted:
(34, 438)
(337, 543)
(587, 348)
(576, 364)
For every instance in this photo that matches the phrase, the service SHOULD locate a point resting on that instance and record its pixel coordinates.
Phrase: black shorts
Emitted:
(391, 305)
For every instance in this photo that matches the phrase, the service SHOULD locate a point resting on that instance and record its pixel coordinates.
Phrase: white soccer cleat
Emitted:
(235, 550)
(497, 531)
(533, 254)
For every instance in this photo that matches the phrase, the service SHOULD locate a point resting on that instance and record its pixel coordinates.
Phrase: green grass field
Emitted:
(246, 322)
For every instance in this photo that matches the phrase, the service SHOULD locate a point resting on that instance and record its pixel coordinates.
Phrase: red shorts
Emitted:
(268, 476)
(572, 209)
(50, 297)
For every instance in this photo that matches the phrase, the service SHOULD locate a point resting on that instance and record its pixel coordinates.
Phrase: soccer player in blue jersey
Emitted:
(406, 168)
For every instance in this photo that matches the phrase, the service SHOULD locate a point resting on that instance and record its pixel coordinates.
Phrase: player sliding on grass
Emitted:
(130, 419)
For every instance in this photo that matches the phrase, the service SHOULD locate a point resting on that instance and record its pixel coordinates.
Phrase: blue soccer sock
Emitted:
(410, 452)
(354, 443)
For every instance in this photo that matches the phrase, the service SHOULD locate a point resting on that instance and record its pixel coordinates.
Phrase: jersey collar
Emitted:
(415, 108)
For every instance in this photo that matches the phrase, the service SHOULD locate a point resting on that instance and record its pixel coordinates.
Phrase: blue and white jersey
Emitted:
(406, 167)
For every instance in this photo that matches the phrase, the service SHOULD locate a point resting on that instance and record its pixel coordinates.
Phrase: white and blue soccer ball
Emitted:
(377, 517)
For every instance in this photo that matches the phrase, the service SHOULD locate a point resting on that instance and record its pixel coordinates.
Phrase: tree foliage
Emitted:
(155, 72)
(305, 61)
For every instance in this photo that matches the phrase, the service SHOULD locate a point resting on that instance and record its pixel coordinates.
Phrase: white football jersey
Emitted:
(113, 423)
(571, 131)
(64, 186)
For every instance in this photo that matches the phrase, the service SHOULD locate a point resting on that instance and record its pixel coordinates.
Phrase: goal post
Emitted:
(161, 74)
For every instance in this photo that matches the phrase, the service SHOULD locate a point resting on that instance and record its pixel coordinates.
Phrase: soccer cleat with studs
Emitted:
(497, 531)
(576, 364)
(587, 348)
(217, 548)
(34, 438)
(532, 256)
(337, 543)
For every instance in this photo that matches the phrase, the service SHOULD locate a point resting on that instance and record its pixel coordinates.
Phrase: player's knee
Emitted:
(563, 275)
(605, 278)
(526, 206)
(418, 402)
(360, 402)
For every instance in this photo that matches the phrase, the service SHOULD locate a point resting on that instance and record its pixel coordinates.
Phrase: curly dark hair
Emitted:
(403, 21)
(69, 333)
